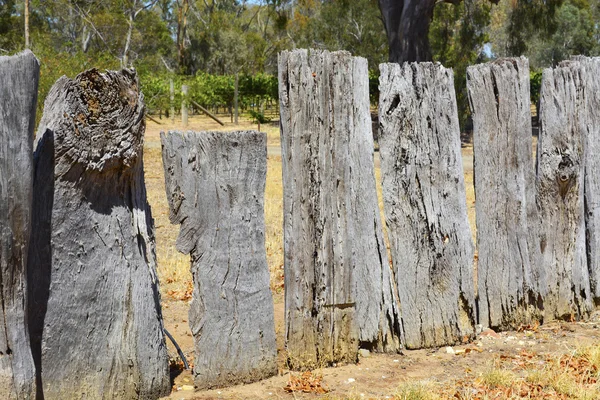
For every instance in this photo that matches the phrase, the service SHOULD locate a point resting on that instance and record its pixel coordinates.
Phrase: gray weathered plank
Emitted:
(95, 315)
(592, 171)
(508, 262)
(560, 185)
(19, 77)
(339, 287)
(215, 184)
(425, 203)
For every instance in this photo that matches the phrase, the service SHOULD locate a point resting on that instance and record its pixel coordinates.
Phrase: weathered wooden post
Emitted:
(339, 287)
(560, 191)
(507, 219)
(592, 170)
(425, 203)
(95, 315)
(236, 93)
(19, 77)
(215, 185)
(172, 99)
(184, 105)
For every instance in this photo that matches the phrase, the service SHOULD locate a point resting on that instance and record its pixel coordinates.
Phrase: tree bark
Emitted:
(94, 312)
(507, 219)
(339, 287)
(19, 77)
(560, 190)
(407, 26)
(215, 187)
(425, 203)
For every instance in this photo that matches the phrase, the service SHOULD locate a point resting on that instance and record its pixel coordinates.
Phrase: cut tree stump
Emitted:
(425, 203)
(339, 287)
(507, 219)
(95, 317)
(560, 191)
(592, 171)
(19, 77)
(215, 184)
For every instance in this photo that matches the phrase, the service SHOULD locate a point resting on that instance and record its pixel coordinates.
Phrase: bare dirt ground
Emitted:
(553, 361)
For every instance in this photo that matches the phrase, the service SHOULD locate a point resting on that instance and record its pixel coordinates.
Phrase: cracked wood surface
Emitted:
(425, 203)
(506, 211)
(215, 184)
(592, 171)
(19, 77)
(560, 190)
(94, 307)
(339, 287)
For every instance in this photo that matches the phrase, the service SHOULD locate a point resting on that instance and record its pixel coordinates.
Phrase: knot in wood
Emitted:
(565, 174)
(103, 119)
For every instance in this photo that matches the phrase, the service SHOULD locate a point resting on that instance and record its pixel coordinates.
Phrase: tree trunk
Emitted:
(339, 288)
(592, 172)
(507, 220)
(215, 185)
(19, 77)
(425, 203)
(95, 315)
(560, 185)
(407, 26)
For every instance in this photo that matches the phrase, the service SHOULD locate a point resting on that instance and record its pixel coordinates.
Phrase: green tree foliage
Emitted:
(457, 37)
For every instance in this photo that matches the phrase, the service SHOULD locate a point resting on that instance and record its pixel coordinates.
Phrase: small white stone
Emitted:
(450, 350)
(396, 360)
(351, 380)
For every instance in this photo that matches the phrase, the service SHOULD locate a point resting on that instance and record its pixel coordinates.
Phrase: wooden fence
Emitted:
(79, 289)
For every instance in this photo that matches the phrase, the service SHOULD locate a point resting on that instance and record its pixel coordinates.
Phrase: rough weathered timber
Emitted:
(560, 187)
(94, 309)
(508, 262)
(339, 287)
(592, 171)
(215, 184)
(425, 203)
(19, 77)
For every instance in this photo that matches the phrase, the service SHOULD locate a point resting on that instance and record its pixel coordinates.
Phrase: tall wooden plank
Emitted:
(19, 77)
(560, 191)
(95, 317)
(339, 287)
(215, 185)
(591, 85)
(425, 203)
(507, 219)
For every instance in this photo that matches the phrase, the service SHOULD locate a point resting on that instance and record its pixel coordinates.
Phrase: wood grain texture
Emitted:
(19, 77)
(592, 170)
(560, 191)
(425, 203)
(95, 316)
(339, 287)
(507, 219)
(215, 185)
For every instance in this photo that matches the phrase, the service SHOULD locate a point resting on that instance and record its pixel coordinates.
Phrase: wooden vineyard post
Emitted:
(184, 105)
(95, 315)
(507, 219)
(215, 185)
(19, 76)
(339, 290)
(172, 99)
(560, 191)
(592, 171)
(425, 203)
